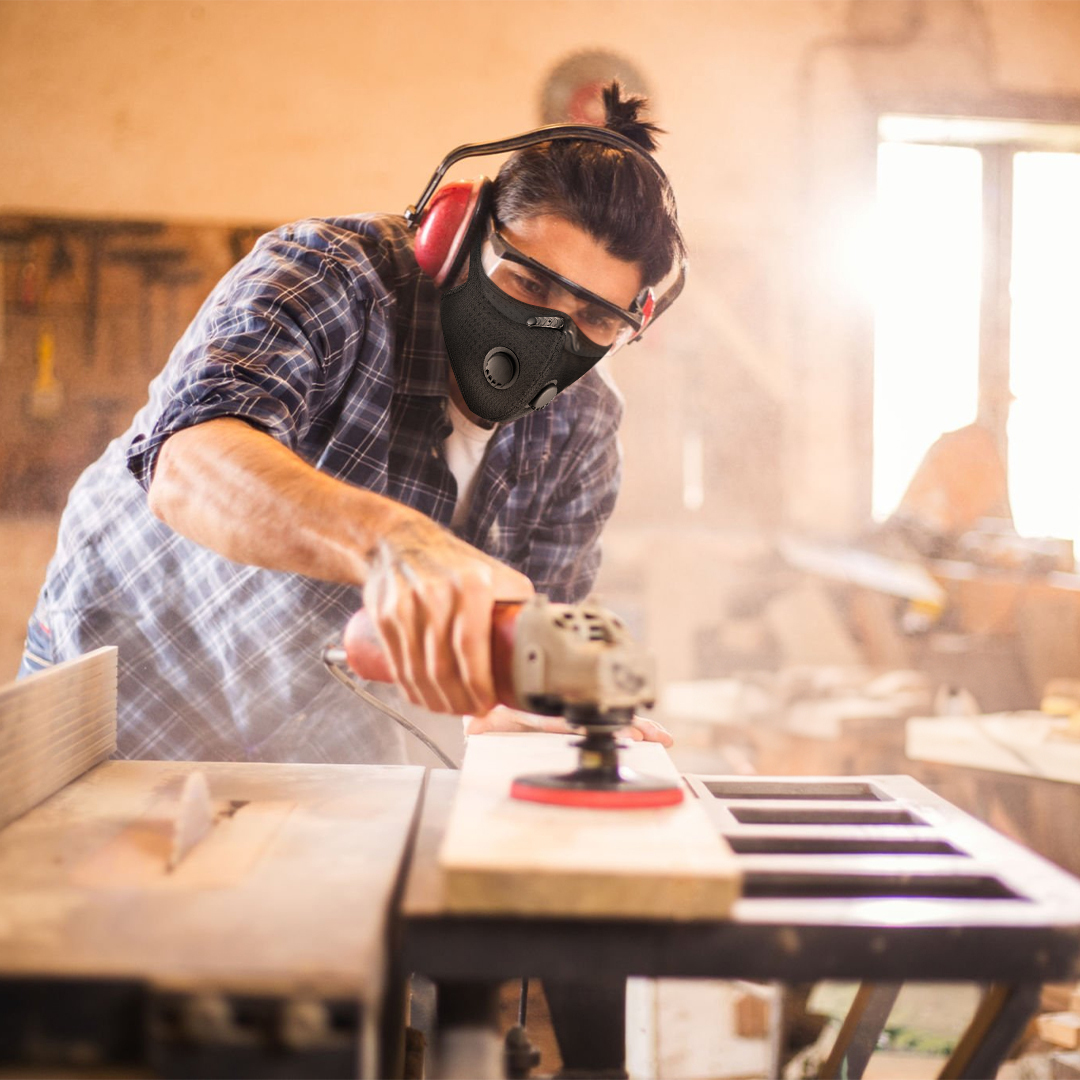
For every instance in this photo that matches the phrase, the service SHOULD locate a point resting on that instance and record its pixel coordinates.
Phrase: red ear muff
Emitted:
(447, 227)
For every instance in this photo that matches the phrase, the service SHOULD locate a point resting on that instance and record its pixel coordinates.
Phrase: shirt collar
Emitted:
(423, 367)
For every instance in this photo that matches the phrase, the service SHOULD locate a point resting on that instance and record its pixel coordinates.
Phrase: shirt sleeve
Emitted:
(272, 345)
(564, 552)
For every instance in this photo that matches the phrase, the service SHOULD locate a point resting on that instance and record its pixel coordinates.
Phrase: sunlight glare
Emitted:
(1044, 448)
(927, 285)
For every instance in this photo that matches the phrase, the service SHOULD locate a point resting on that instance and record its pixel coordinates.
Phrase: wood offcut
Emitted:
(501, 855)
(54, 725)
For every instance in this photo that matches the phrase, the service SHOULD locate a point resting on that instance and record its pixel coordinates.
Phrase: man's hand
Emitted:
(430, 596)
(503, 719)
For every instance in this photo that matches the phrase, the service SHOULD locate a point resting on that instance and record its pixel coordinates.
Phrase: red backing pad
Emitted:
(619, 799)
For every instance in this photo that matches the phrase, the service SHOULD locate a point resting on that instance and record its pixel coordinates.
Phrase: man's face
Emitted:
(552, 265)
(574, 254)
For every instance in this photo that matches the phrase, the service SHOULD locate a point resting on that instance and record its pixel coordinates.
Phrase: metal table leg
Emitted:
(589, 1019)
(860, 1031)
(998, 1023)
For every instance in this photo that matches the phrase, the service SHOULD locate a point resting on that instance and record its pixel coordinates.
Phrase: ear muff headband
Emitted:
(445, 230)
(550, 132)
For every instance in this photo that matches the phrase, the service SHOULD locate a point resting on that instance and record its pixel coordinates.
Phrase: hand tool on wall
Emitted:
(97, 234)
(61, 232)
(575, 661)
(46, 394)
(154, 264)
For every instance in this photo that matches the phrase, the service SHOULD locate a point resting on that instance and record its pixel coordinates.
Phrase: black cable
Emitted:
(333, 657)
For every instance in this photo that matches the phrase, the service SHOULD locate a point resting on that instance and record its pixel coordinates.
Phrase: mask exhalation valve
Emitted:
(500, 367)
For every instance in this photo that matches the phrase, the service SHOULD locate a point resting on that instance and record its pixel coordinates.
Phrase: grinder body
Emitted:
(547, 658)
(572, 660)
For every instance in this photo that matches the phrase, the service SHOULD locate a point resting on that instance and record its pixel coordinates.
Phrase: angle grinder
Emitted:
(576, 661)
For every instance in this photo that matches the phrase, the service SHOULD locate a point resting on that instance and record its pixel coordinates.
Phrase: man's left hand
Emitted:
(503, 719)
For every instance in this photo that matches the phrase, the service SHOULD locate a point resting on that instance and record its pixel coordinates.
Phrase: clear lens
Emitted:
(528, 281)
(623, 336)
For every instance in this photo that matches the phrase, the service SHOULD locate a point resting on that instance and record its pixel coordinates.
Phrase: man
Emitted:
(308, 437)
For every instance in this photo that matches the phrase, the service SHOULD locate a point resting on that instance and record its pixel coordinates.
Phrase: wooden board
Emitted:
(505, 856)
(289, 891)
(895, 577)
(1026, 744)
(1061, 1029)
(55, 725)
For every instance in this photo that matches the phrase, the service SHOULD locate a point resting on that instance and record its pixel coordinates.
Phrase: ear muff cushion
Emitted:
(444, 236)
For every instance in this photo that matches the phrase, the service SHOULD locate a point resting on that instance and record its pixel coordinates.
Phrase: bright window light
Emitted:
(1044, 366)
(927, 285)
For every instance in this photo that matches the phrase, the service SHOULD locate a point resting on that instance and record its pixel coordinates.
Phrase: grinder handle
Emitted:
(364, 651)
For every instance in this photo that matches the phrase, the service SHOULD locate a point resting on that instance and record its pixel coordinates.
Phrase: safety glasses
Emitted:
(602, 323)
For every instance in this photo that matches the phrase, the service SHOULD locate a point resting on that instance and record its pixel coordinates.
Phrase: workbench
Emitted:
(281, 942)
(262, 953)
(871, 878)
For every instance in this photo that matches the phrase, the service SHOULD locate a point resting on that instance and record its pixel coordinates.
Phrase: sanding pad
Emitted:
(631, 791)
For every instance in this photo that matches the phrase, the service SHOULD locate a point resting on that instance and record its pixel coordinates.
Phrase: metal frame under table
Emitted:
(872, 878)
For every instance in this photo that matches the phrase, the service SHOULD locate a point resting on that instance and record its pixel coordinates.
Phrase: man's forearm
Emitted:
(237, 490)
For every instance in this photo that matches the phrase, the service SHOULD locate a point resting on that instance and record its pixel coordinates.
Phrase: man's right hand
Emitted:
(430, 596)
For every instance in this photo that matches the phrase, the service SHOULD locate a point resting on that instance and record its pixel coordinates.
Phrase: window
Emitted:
(978, 305)
(1044, 369)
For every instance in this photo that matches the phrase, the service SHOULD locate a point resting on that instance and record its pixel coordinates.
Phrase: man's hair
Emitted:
(612, 194)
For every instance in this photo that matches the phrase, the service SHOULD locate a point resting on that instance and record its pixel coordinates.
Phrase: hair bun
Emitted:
(621, 116)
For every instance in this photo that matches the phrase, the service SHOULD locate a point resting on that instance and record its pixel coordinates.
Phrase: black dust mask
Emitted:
(509, 357)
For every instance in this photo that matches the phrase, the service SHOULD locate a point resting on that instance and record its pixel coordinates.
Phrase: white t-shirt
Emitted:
(465, 447)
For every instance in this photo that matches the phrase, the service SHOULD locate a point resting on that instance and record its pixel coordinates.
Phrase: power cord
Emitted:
(333, 657)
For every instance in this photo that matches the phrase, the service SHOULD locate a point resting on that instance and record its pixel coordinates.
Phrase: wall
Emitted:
(266, 111)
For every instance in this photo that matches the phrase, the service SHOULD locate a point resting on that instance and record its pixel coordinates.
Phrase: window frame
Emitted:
(995, 307)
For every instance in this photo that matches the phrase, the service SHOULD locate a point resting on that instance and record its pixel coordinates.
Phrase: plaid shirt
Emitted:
(327, 337)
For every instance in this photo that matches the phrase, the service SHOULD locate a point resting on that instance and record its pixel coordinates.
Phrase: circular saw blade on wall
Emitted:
(571, 93)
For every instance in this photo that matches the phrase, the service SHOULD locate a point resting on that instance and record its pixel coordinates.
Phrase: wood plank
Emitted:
(505, 856)
(54, 725)
(1026, 744)
(904, 578)
(1062, 1029)
(750, 1015)
(290, 889)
